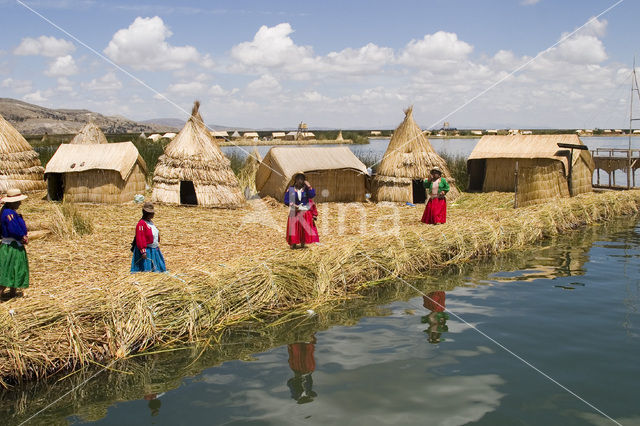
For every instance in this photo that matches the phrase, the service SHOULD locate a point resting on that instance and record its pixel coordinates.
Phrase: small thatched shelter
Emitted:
(406, 163)
(278, 135)
(96, 173)
(20, 165)
(235, 135)
(220, 135)
(90, 134)
(193, 170)
(543, 167)
(334, 172)
(339, 138)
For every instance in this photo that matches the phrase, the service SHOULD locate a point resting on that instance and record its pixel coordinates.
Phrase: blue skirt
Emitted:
(153, 263)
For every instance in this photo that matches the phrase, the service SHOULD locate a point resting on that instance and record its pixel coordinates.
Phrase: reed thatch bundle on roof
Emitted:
(335, 172)
(98, 173)
(88, 135)
(543, 167)
(20, 165)
(193, 170)
(406, 163)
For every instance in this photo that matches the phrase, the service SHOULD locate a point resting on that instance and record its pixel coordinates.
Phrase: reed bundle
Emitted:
(20, 165)
(231, 266)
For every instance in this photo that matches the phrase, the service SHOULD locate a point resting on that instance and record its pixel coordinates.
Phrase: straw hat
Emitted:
(436, 169)
(148, 207)
(14, 195)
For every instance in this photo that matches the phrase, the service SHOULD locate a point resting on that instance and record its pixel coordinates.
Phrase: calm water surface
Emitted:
(569, 307)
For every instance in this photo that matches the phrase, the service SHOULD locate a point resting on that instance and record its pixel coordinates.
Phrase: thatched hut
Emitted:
(543, 167)
(169, 135)
(335, 172)
(278, 135)
(90, 134)
(193, 170)
(339, 137)
(96, 173)
(406, 163)
(20, 165)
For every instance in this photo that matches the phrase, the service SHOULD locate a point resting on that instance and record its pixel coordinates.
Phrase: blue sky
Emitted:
(329, 63)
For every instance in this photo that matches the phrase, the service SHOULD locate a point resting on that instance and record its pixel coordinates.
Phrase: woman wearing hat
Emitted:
(147, 256)
(14, 266)
(437, 187)
(301, 228)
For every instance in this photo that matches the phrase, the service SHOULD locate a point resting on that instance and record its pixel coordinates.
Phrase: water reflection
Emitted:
(437, 317)
(302, 362)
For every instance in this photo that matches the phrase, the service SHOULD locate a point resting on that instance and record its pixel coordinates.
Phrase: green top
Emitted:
(442, 186)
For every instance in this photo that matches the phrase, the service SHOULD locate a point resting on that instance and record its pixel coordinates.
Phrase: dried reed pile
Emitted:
(228, 267)
(20, 165)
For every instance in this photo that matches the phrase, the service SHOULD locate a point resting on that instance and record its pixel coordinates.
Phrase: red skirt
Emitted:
(434, 301)
(301, 228)
(435, 211)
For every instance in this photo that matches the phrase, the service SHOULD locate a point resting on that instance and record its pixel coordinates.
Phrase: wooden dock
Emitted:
(612, 159)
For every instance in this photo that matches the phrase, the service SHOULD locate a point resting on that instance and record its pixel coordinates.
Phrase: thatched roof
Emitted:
(339, 138)
(409, 154)
(528, 146)
(290, 160)
(193, 155)
(278, 134)
(20, 165)
(89, 134)
(250, 135)
(119, 157)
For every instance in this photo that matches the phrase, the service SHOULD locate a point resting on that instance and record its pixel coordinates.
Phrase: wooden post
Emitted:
(515, 200)
(598, 172)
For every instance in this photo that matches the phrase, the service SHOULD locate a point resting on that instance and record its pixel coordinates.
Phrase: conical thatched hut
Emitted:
(90, 134)
(193, 170)
(20, 165)
(543, 167)
(340, 138)
(406, 163)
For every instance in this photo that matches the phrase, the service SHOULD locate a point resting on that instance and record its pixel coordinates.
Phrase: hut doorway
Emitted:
(477, 171)
(419, 193)
(188, 193)
(55, 186)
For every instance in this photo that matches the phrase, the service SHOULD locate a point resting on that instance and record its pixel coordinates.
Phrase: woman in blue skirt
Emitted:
(147, 256)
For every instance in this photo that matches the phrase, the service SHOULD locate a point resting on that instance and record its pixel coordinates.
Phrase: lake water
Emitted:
(569, 307)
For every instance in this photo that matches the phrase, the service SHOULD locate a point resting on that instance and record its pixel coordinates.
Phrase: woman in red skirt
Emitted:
(437, 187)
(301, 227)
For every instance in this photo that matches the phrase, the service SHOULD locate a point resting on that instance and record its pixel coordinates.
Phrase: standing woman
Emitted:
(14, 266)
(437, 187)
(147, 256)
(301, 228)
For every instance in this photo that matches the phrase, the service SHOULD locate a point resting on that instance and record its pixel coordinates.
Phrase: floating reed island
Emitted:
(228, 267)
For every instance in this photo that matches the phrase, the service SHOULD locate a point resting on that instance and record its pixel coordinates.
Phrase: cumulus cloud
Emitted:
(44, 46)
(35, 97)
(271, 47)
(143, 46)
(62, 66)
(190, 88)
(264, 86)
(107, 83)
(437, 50)
(18, 86)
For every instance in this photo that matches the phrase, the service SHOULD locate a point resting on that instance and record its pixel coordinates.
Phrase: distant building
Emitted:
(476, 132)
(376, 133)
(492, 132)
(250, 135)
(526, 132)
(220, 135)
(514, 131)
(278, 135)
(235, 135)
(169, 135)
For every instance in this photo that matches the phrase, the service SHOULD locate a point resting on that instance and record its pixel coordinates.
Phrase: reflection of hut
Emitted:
(193, 170)
(339, 138)
(543, 167)
(96, 173)
(278, 135)
(406, 163)
(19, 164)
(90, 134)
(335, 172)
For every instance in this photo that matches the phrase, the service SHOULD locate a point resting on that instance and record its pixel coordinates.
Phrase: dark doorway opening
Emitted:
(188, 193)
(477, 170)
(419, 193)
(55, 186)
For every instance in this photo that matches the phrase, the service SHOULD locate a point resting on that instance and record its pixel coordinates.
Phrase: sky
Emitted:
(338, 64)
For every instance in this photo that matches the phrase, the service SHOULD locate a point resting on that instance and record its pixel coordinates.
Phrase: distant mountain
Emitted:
(171, 122)
(32, 119)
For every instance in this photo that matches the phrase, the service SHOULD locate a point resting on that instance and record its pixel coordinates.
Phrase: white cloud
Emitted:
(108, 83)
(143, 46)
(439, 50)
(44, 46)
(64, 85)
(18, 86)
(62, 66)
(271, 47)
(191, 88)
(35, 97)
(264, 86)
(366, 59)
